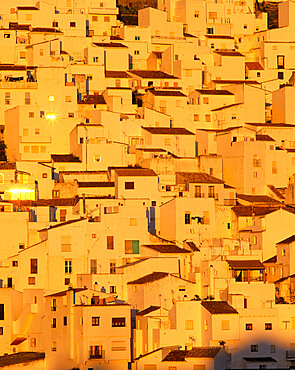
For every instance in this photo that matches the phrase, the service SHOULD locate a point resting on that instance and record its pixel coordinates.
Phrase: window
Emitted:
(187, 218)
(33, 342)
(178, 103)
(68, 99)
(34, 266)
(53, 324)
(211, 191)
(136, 52)
(113, 289)
(72, 24)
(53, 348)
(15, 263)
(31, 114)
(199, 367)
(95, 320)
(137, 38)
(63, 215)
(1, 330)
(255, 240)
(54, 24)
(89, 78)
(94, 18)
(21, 246)
(245, 26)
(205, 100)
(210, 31)
(37, 131)
(196, 117)
(71, 115)
(51, 98)
(272, 348)
(22, 55)
(110, 242)
(31, 280)
(68, 266)
(1, 311)
(133, 221)
(67, 281)
(208, 117)
(7, 98)
(258, 74)
(66, 243)
(129, 185)
(281, 61)
(249, 327)
(268, 326)
(27, 98)
(44, 175)
(34, 149)
(167, 141)
(93, 266)
(224, 324)
(55, 193)
(206, 218)
(280, 75)
(112, 267)
(198, 191)
(150, 367)
(132, 246)
(118, 321)
(254, 348)
(274, 169)
(245, 303)
(189, 324)
(25, 132)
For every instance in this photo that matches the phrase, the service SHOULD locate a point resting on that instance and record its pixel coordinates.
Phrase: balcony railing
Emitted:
(230, 202)
(199, 195)
(96, 355)
(18, 85)
(290, 354)
(215, 196)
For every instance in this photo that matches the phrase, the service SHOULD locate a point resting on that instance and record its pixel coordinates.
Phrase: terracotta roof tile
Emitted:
(218, 307)
(279, 193)
(135, 172)
(20, 358)
(110, 45)
(63, 224)
(46, 30)
(147, 310)
(271, 260)
(167, 248)
(96, 184)
(16, 26)
(225, 37)
(196, 177)
(92, 99)
(117, 74)
(288, 240)
(256, 66)
(7, 166)
(232, 82)
(168, 131)
(259, 199)
(27, 8)
(249, 211)
(192, 246)
(155, 276)
(60, 158)
(214, 92)
(201, 352)
(176, 356)
(229, 53)
(246, 264)
(225, 107)
(152, 74)
(167, 93)
(57, 202)
(264, 138)
(259, 359)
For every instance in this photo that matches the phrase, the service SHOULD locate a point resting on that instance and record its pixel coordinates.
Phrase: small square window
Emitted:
(51, 98)
(254, 347)
(280, 75)
(67, 281)
(15, 263)
(136, 52)
(31, 114)
(249, 327)
(37, 131)
(54, 24)
(107, 19)
(71, 115)
(72, 24)
(68, 99)
(31, 281)
(133, 221)
(44, 175)
(129, 185)
(95, 320)
(268, 326)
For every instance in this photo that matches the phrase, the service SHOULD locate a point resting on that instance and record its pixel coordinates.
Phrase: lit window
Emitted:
(51, 98)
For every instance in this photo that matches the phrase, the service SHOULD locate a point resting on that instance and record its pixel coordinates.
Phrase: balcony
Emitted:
(230, 202)
(96, 354)
(107, 11)
(18, 85)
(215, 196)
(290, 355)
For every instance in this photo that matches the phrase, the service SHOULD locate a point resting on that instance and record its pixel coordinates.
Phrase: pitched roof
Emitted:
(96, 184)
(271, 260)
(214, 92)
(225, 107)
(232, 82)
(167, 248)
(168, 131)
(147, 311)
(16, 26)
(64, 292)
(249, 211)
(116, 74)
(264, 138)
(246, 264)
(219, 37)
(254, 66)
(135, 172)
(259, 359)
(288, 240)
(151, 74)
(57, 202)
(192, 246)
(258, 199)
(20, 358)
(92, 99)
(62, 224)
(12, 67)
(167, 93)
(195, 352)
(176, 356)
(155, 276)
(18, 340)
(229, 53)
(218, 307)
(46, 30)
(196, 177)
(110, 44)
(64, 158)
(27, 8)
(7, 166)
(276, 191)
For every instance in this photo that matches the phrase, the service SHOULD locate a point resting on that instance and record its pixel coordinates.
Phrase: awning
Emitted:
(18, 340)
